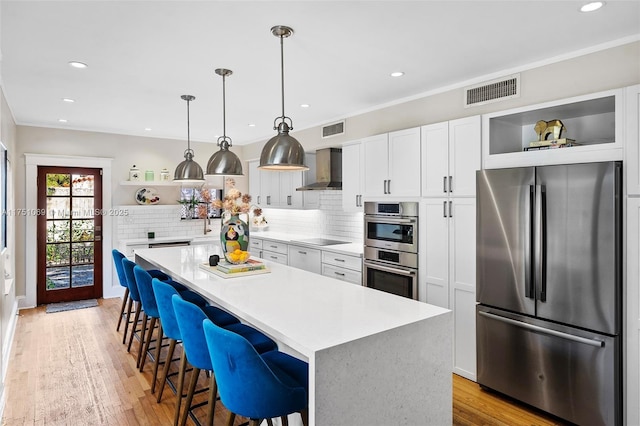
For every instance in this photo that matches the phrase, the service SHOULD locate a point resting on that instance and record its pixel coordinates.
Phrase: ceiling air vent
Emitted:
(492, 91)
(333, 129)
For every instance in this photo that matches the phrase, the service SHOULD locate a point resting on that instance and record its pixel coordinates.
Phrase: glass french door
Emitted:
(69, 234)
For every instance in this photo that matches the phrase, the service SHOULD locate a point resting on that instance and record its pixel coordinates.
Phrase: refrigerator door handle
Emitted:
(541, 242)
(591, 342)
(528, 243)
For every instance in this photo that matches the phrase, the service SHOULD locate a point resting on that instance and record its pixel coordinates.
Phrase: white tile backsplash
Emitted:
(164, 220)
(327, 221)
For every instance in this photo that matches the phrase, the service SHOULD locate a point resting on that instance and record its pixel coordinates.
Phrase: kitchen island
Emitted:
(374, 358)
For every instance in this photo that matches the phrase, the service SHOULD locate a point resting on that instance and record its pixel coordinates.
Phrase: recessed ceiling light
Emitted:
(147, 129)
(397, 74)
(590, 7)
(252, 125)
(76, 64)
(62, 120)
(304, 105)
(68, 100)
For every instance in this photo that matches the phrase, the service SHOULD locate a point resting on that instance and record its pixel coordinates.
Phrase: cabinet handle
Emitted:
(288, 200)
(339, 273)
(268, 200)
(389, 186)
(450, 183)
(338, 260)
(360, 200)
(258, 199)
(444, 184)
(273, 257)
(302, 252)
(357, 204)
(274, 247)
(450, 209)
(444, 209)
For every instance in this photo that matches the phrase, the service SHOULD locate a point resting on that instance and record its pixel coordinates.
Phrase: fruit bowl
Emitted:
(237, 256)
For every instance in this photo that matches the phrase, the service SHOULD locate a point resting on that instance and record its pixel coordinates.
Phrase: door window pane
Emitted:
(58, 184)
(57, 231)
(82, 253)
(58, 278)
(82, 230)
(58, 208)
(58, 254)
(82, 185)
(82, 208)
(82, 275)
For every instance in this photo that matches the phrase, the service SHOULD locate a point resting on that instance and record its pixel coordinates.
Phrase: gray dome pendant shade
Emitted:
(224, 162)
(283, 151)
(188, 171)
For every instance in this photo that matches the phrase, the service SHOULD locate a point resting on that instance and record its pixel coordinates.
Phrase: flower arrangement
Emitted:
(258, 221)
(234, 202)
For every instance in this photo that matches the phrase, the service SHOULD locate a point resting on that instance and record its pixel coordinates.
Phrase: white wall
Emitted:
(587, 73)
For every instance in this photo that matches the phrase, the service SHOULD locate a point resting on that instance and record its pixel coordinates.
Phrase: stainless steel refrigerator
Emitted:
(549, 288)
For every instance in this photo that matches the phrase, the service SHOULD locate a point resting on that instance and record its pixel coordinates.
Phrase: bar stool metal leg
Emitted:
(124, 304)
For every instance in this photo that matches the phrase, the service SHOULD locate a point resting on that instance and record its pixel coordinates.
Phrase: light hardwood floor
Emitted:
(70, 368)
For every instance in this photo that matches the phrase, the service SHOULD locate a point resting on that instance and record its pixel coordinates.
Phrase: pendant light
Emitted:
(224, 162)
(188, 171)
(282, 152)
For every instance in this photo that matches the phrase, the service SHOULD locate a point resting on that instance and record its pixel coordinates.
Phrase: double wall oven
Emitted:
(391, 247)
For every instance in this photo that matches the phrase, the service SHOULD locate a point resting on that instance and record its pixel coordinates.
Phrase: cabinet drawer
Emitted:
(275, 257)
(274, 247)
(342, 274)
(255, 244)
(342, 260)
(305, 258)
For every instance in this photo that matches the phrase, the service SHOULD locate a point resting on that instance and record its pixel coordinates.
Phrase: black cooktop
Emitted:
(320, 241)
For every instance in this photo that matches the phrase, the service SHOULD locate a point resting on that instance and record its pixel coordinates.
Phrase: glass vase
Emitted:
(234, 235)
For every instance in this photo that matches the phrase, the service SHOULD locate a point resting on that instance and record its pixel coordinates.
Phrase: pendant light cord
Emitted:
(282, 72)
(188, 129)
(224, 113)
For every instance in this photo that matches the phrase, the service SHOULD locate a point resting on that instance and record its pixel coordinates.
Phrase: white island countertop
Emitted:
(374, 358)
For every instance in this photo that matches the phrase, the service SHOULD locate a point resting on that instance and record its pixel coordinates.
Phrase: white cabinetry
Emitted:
(594, 121)
(275, 251)
(278, 189)
(448, 268)
(343, 267)
(632, 295)
(352, 177)
(392, 164)
(632, 136)
(255, 246)
(305, 258)
(632, 358)
(450, 157)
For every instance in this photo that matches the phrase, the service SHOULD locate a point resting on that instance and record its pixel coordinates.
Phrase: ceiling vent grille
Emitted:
(492, 91)
(332, 129)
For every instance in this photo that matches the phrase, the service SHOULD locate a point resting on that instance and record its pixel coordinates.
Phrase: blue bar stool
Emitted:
(122, 278)
(163, 293)
(253, 385)
(190, 319)
(151, 314)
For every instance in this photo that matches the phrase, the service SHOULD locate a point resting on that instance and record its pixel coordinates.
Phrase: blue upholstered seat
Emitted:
(123, 280)
(190, 322)
(150, 307)
(258, 386)
(163, 294)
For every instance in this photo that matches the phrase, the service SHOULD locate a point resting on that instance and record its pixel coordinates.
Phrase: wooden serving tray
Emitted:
(214, 270)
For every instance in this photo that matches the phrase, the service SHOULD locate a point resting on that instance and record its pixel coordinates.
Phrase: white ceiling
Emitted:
(143, 55)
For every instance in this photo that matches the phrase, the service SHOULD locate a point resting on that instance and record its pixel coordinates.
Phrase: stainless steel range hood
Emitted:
(328, 171)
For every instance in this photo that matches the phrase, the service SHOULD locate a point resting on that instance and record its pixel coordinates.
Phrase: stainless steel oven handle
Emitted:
(389, 269)
(567, 336)
(390, 220)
